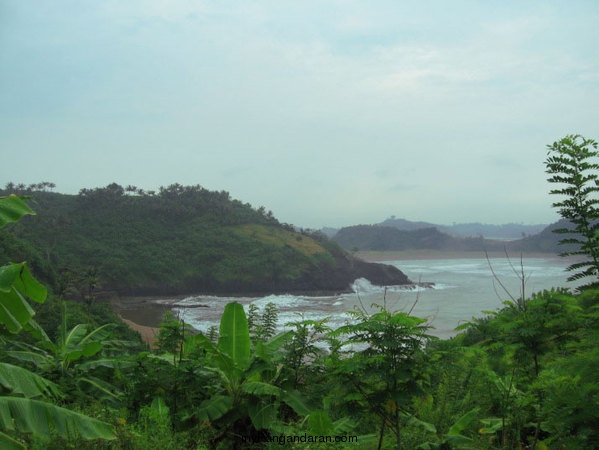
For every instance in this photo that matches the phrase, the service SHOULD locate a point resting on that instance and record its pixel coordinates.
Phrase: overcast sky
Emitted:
(326, 112)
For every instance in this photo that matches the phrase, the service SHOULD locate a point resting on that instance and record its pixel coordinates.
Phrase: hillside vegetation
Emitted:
(374, 237)
(181, 239)
(388, 238)
(490, 231)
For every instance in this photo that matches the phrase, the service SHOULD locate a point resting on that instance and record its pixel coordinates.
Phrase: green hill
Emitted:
(387, 238)
(374, 237)
(182, 239)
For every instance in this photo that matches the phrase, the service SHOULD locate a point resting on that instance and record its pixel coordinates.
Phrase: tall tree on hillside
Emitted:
(571, 162)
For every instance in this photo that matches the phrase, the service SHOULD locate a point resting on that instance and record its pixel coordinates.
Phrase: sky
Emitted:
(328, 113)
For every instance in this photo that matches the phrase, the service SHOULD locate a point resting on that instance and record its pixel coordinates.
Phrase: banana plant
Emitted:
(70, 346)
(16, 282)
(454, 436)
(248, 377)
(73, 356)
(23, 394)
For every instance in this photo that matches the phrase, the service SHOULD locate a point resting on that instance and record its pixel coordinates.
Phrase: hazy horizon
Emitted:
(327, 113)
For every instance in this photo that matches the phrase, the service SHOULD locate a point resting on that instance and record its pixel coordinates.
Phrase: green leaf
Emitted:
(107, 389)
(320, 423)
(493, 424)
(73, 339)
(111, 363)
(14, 310)
(8, 275)
(422, 424)
(265, 350)
(263, 414)
(458, 440)
(159, 408)
(33, 328)
(199, 340)
(214, 408)
(343, 425)
(43, 419)
(8, 443)
(21, 381)
(260, 388)
(463, 422)
(39, 359)
(295, 400)
(29, 286)
(234, 335)
(91, 349)
(12, 208)
(99, 334)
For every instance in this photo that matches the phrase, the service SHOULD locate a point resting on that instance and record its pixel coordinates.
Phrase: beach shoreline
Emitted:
(380, 256)
(148, 334)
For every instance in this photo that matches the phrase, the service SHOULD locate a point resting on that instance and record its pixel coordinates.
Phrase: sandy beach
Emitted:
(148, 334)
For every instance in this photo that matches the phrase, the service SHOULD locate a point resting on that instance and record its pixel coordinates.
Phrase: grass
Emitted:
(280, 238)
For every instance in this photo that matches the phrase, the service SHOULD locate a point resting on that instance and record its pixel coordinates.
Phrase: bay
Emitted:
(464, 288)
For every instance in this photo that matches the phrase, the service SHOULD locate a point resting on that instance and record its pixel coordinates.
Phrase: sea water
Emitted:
(463, 289)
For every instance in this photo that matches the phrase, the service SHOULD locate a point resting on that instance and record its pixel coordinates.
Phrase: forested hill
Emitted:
(381, 238)
(181, 239)
(489, 231)
(374, 237)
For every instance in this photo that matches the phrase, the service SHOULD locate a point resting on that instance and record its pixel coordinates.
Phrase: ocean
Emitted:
(463, 289)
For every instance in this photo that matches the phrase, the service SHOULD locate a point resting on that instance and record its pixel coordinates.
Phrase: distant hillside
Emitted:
(546, 240)
(182, 239)
(489, 231)
(328, 231)
(374, 237)
(381, 238)
(403, 224)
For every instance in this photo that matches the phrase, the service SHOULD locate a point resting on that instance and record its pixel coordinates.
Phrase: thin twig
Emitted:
(417, 296)
(523, 279)
(361, 304)
(385, 298)
(497, 278)
(510, 261)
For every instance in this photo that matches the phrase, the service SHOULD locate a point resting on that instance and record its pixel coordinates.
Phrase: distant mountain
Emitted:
(505, 231)
(547, 240)
(385, 238)
(375, 237)
(403, 224)
(489, 231)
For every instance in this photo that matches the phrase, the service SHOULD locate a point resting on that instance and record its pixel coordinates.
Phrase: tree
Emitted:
(390, 371)
(571, 162)
(171, 336)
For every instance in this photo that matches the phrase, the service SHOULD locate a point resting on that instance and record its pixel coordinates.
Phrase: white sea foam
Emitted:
(363, 286)
(441, 286)
(281, 301)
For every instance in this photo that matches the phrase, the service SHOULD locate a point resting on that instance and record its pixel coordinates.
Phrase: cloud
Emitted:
(318, 110)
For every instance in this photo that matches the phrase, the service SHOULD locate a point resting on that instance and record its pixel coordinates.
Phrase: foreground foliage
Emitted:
(20, 410)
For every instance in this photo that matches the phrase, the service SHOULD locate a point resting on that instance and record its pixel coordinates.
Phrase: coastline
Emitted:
(144, 314)
(379, 256)
(148, 334)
